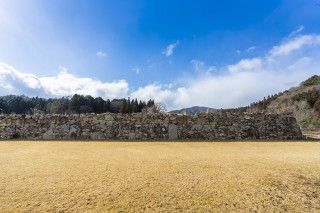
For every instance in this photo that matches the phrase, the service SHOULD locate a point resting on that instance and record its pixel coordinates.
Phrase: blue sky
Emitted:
(181, 53)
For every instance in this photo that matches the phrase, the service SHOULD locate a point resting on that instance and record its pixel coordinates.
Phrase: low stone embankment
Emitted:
(139, 126)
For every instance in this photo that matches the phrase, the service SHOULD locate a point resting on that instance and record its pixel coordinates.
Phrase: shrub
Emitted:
(314, 80)
(311, 96)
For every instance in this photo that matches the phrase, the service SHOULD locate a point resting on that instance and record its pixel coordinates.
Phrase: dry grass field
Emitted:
(159, 177)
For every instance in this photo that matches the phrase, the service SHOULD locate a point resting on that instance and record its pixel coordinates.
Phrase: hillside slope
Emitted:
(303, 101)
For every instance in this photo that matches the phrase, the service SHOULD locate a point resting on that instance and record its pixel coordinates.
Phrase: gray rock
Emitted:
(132, 136)
(97, 136)
(48, 135)
(172, 132)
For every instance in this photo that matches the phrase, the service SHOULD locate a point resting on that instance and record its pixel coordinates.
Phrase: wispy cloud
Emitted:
(101, 54)
(246, 81)
(233, 85)
(297, 31)
(251, 48)
(199, 66)
(170, 49)
(294, 44)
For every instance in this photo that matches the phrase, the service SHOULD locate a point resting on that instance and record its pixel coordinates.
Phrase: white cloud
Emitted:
(62, 84)
(152, 90)
(251, 48)
(199, 66)
(297, 31)
(238, 84)
(246, 64)
(101, 54)
(246, 81)
(294, 44)
(169, 51)
(13, 81)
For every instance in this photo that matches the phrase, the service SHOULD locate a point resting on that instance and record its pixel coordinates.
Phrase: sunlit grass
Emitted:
(159, 176)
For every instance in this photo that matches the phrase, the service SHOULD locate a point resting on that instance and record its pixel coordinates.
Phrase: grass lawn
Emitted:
(159, 176)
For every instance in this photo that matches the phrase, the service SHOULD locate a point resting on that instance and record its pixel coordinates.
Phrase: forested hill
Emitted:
(70, 105)
(303, 101)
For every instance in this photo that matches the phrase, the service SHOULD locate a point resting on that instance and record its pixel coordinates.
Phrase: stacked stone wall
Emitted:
(161, 126)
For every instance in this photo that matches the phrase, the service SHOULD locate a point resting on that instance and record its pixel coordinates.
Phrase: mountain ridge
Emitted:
(193, 110)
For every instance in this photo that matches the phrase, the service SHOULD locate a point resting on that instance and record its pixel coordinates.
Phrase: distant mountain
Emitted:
(193, 110)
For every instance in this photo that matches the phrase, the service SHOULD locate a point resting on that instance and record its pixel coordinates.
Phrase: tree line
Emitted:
(263, 104)
(70, 105)
(312, 97)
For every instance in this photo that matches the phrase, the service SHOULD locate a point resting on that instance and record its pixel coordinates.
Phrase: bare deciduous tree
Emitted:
(156, 108)
(160, 107)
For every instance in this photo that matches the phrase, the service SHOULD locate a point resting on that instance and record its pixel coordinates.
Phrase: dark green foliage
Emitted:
(82, 104)
(99, 105)
(311, 96)
(75, 104)
(150, 103)
(16, 104)
(314, 80)
(58, 106)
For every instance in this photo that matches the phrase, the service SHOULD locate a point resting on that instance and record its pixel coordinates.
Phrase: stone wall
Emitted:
(212, 126)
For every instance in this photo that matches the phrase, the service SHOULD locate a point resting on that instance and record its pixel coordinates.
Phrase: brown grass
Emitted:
(159, 177)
